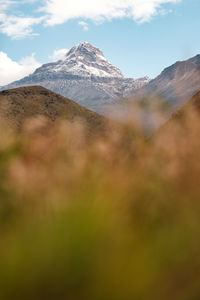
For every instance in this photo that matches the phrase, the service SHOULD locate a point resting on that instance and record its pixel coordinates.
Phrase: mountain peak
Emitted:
(85, 47)
(87, 60)
(86, 44)
(83, 60)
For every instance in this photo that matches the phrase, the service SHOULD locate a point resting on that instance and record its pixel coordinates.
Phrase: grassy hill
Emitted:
(19, 104)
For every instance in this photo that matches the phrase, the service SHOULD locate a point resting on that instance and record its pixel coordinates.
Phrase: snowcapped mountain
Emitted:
(86, 60)
(85, 76)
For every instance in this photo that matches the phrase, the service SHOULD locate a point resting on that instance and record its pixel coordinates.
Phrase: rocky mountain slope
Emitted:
(19, 104)
(177, 83)
(85, 76)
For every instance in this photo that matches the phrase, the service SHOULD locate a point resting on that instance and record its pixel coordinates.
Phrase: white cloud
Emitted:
(58, 54)
(17, 27)
(60, 11)
(84, 25)
(5, 4)
(16, 24)
(11, 70)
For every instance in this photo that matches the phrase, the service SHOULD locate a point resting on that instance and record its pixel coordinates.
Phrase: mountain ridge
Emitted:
(176, 83)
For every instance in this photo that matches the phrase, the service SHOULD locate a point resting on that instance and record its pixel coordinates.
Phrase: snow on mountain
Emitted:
(86, 60)
(83, 60)
(85, 76)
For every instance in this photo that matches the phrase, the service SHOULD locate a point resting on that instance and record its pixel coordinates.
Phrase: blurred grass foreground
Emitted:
(114, 218)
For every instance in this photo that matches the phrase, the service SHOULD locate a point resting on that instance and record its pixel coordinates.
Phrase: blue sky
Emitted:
(141, 39)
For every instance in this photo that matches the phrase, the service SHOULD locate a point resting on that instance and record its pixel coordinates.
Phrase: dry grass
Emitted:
(21, 104)
(115, 219)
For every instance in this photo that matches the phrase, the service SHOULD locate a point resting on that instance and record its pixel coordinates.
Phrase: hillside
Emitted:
(19, 104)
(184, 121)
(192, 106)
(176, 84)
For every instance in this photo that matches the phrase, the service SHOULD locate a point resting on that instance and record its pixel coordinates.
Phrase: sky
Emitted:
(141, 37)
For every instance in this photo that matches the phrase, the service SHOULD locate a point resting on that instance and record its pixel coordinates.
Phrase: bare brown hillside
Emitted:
(19, 104)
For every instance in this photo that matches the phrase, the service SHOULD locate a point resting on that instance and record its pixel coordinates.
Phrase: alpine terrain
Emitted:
(85, 76)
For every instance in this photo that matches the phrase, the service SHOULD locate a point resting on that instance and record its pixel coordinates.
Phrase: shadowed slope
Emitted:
(183, 122)
(192, 106)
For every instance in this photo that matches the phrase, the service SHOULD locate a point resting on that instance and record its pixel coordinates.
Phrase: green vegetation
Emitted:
(115, 219)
